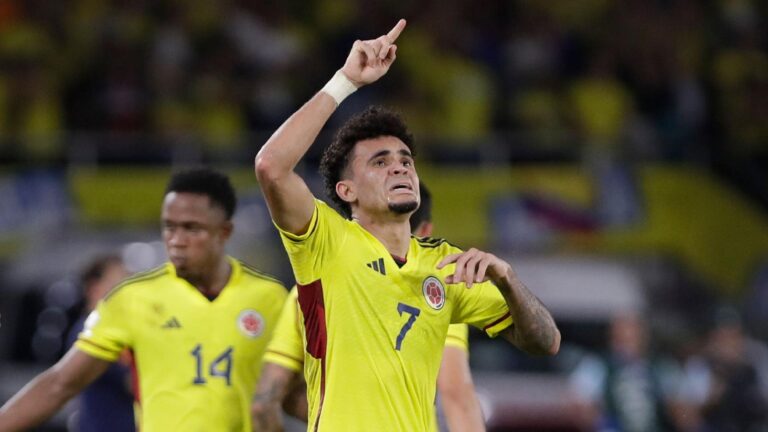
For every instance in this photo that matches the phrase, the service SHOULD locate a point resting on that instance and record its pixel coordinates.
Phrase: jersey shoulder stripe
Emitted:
(154, 273)
(429, 240)
(92, 343)
(432, 243)
(252, 271)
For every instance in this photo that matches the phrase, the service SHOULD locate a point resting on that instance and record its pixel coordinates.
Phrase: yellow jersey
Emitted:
(198, 360)
(286, 348)
(374, 331)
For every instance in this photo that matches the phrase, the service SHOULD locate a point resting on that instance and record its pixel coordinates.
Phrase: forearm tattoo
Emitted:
(267, 403)
(534, 329)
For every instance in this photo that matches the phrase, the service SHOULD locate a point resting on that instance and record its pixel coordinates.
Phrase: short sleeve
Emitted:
(107, 329)
(286, 347)
(482, 306)
(310, 251)
(458, 337)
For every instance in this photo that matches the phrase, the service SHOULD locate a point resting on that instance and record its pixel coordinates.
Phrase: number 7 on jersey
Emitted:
(413, 312)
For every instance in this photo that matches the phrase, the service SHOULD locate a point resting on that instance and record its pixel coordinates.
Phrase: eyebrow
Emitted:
(402, 152)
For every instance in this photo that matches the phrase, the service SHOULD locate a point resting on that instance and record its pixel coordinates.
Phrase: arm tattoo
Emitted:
(267, 402)
(534, 329)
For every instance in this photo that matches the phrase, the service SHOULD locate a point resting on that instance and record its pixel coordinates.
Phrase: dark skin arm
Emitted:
(42, 397)
(534, 330)
(295, 403)
(278, 387)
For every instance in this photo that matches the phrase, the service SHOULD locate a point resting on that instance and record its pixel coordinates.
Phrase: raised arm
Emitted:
(50, 390)
(534, 330)
(288, 197)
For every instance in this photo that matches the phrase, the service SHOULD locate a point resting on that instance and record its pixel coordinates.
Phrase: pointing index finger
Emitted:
(396, 30)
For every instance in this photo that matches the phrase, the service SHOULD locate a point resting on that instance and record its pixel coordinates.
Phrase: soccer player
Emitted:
(376, 303)
(107, 403)
(281, 384)
(198, 325)
(460, 410)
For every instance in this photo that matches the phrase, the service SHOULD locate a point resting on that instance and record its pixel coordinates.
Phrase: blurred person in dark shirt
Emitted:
(726, 386)
(106, 404)
(628, 389)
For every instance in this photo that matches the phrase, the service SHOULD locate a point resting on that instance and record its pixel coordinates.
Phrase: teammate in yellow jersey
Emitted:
(281, 385)
(375, 302)
(198, 325)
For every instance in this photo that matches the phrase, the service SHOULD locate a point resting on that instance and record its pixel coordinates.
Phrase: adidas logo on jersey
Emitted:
(172, 323)
(377, 265)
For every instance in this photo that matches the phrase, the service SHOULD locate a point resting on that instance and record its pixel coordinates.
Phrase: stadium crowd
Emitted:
(126, 81)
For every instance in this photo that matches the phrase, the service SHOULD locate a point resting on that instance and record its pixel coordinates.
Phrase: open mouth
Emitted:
(401, 186)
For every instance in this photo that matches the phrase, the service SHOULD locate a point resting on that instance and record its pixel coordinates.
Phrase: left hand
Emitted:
(475, 266)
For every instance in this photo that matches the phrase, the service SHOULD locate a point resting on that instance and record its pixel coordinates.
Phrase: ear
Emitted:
(226, 230)
(346, 191)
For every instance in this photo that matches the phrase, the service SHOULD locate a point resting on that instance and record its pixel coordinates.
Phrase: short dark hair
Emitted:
(424, 212)
(374, 122)
(206, 181)
(94, 270)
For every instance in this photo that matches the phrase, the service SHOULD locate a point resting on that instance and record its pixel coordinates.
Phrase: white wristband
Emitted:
(339, 87)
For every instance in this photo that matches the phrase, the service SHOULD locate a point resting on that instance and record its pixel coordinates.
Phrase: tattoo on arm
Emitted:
(295, 403)
(267, 402)
(534, 329)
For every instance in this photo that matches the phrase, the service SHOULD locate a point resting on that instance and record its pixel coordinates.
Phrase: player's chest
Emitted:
(371, 274)
(166, 322)
(408, 300)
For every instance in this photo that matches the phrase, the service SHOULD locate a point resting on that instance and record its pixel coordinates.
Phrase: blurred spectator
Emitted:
(107, 404)
(726, 386)
(628, 389)
(664, 80)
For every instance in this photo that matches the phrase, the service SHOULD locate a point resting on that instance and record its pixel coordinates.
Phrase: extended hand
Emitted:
(475, 266)
(370, 59)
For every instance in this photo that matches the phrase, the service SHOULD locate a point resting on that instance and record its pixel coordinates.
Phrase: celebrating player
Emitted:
(375, 302)
(281, 384)
(198, 325)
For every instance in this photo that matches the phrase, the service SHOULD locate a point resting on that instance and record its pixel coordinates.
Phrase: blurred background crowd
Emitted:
(616, 151)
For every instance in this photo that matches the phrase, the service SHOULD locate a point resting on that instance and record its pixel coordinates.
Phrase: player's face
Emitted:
(384, 176)
(194, 233)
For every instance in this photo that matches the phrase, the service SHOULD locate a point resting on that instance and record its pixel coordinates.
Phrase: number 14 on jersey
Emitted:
(220, 367)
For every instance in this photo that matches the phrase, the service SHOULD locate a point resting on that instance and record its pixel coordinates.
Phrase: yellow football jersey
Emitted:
(286, 348)
(198, 360)
(375, 331)
(458, 336)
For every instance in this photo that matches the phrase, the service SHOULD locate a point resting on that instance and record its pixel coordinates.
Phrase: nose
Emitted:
(399, 169)
(176, 238)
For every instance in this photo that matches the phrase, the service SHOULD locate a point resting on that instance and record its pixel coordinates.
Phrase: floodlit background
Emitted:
(615, 152)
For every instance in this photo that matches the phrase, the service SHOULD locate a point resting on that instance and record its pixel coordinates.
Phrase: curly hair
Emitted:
(206, 181)
(374, 122)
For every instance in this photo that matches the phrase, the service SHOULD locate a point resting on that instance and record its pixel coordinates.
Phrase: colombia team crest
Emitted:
(250, 323)
(434, 292)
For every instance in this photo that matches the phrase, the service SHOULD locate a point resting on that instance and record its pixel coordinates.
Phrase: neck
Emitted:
(394, 234)
(211, 282)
